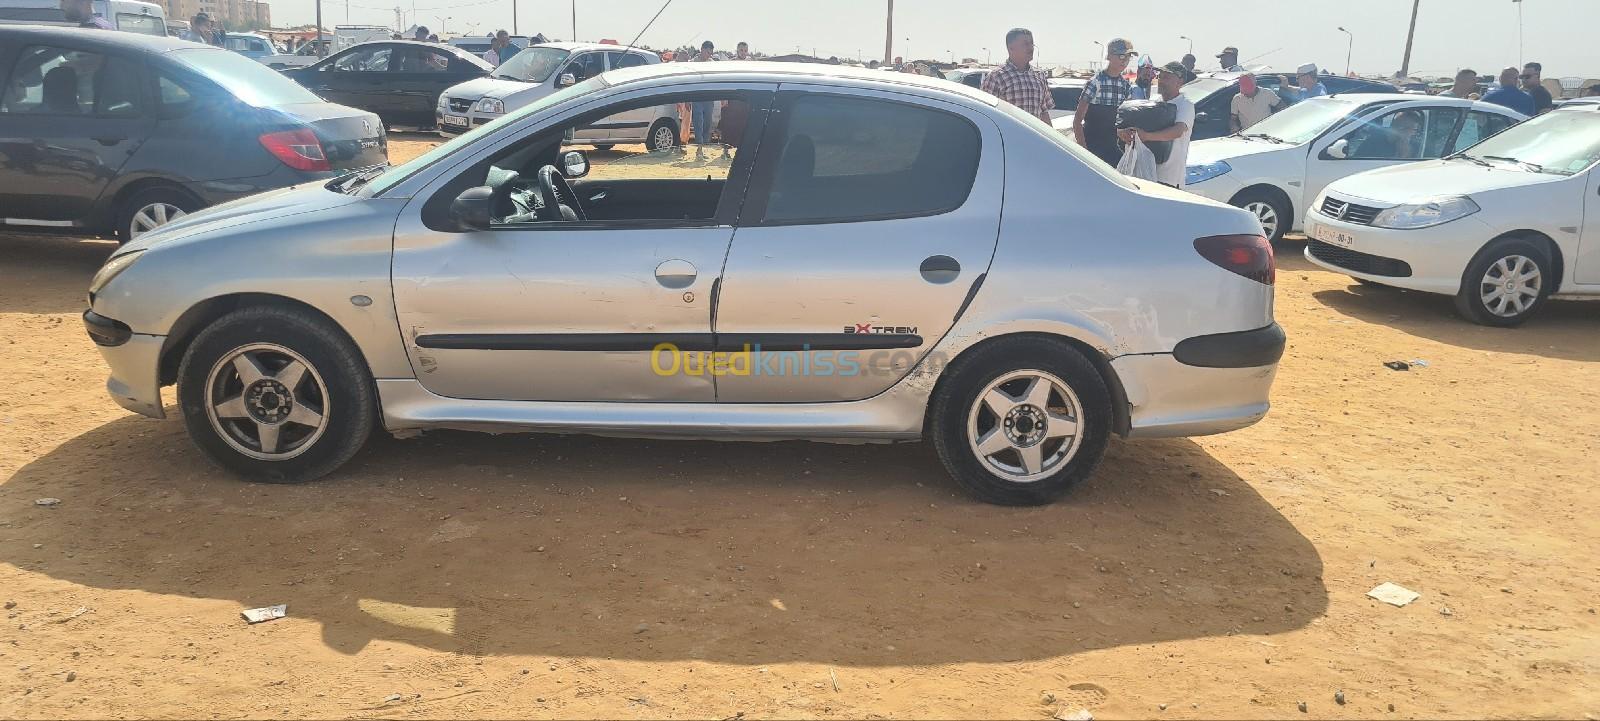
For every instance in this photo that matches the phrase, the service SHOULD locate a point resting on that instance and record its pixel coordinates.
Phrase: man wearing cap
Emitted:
(1306, 84)
(1168, 83)
(1252, 105)
(1229, 57)
(1017, 82)
(1095, 124)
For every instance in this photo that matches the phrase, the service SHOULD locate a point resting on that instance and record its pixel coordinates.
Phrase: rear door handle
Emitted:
(939, 269)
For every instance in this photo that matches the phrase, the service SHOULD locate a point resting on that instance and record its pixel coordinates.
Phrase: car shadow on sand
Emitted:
(660, 550)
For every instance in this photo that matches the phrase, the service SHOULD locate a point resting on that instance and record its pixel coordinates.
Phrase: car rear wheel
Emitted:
(1019, 422)
(152, 208)
(276, 395)
(663, 135)
(1273, 213)
(1505, 283)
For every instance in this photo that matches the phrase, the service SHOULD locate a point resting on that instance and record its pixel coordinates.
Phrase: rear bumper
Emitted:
(1170, 397)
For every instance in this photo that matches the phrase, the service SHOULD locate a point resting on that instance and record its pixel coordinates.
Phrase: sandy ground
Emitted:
(527, 576)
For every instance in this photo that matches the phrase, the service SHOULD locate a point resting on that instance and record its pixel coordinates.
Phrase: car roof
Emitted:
(136, 42)
(1418, 100)
(758, 71)
(573, 47)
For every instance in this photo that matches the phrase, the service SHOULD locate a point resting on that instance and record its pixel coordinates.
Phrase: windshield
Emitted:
(1203, 88)
(1303, 122)
(146, 24)
(246, 79)
(1564, 142)
(533, 65)
(394, 175)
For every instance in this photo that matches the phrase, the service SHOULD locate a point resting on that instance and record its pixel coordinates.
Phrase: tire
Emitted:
(663, 135)
(152, 207)
(958, 414)
(1269, 209)
(1506, 283)
(336, 387)
(603, 147)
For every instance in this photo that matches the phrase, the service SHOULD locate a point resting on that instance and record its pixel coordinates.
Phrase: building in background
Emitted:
(230, 14)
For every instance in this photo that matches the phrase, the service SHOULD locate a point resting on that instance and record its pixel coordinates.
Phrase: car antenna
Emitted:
(648, 24)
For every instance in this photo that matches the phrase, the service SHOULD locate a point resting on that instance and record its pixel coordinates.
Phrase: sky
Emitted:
(1451, 34)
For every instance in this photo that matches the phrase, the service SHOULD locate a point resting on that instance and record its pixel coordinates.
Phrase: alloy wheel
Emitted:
(267, 401)
(662, 138)
(1511, 286)
(1265, 213)
(153, 216)
(1025, 425)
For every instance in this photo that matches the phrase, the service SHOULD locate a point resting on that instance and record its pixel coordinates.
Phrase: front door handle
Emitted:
(676, 274)
(108, 140)
(940, 269)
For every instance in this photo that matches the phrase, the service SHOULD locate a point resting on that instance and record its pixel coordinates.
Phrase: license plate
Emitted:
(1330, 235)
(455, 120)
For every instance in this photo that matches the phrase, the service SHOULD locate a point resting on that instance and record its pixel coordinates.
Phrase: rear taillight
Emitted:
(1247, 255)
(298, 149)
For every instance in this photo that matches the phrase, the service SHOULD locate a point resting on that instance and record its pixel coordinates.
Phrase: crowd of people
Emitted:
(1095, 124)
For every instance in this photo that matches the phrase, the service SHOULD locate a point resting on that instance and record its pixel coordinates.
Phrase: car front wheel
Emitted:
(1505, 283)
(1270, 210)
(1019, 422)
(276, 395)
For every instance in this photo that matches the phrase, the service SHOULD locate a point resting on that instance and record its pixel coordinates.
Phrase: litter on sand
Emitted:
(266, 613)
(47, 502)
(1418, 363)
(1393, 594)
(1397, 365)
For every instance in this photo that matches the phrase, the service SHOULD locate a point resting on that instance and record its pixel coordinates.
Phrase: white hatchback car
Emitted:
(536, 72)
(1275, 166)
(1502, 226)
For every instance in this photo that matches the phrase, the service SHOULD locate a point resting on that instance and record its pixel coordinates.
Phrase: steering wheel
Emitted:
(553, 188)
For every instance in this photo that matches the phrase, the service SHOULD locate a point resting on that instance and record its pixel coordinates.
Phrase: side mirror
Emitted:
(473, 208)
(574, 164)
(1340, 149)
(566, 80)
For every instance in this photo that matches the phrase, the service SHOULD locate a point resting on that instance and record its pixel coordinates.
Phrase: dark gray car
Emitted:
(113, 133)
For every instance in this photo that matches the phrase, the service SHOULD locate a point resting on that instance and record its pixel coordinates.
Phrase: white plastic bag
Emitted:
(1138, 162)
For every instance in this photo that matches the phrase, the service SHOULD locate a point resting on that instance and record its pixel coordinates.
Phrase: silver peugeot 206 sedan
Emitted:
(855, 257)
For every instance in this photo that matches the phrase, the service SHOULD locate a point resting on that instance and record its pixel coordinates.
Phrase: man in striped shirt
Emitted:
(1017, 82)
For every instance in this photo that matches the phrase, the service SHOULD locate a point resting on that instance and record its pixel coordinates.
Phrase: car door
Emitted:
(1375, 143)
(420, 74)
(614, 308)
(70, 117)
(871, 218)
(582, 66)
(1588, 265)
(355, 77)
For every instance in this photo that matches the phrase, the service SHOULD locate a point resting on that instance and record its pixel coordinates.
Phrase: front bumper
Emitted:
(1210, 384)
(1434, 258)
(135, 361)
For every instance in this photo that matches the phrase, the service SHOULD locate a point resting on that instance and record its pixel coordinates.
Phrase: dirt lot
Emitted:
(465, 575)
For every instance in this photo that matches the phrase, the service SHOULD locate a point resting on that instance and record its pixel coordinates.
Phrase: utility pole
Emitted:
(321, 51)
(575, 20)
(888, 36)
(1405, 64)
(513, 17)
(1519, 32)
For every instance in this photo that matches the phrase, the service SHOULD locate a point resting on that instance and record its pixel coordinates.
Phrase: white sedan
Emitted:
(1275, 166)
(1502, 226)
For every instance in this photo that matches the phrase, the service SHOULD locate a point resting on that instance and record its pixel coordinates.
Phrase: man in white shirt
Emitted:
(1253, 104)
(1168, 82)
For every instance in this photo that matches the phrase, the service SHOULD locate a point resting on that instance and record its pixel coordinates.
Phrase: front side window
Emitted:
(374, 60)
(845, 158)
(1412, 134)
(586, 65)
(55, 81)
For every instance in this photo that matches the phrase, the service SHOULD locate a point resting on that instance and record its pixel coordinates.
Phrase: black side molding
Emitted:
(602, 342)
(105, 331)
(1244, 349)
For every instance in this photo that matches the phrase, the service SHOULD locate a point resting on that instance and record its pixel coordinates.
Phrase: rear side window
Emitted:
(848, 159)
(56, 81)
(626, 60)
